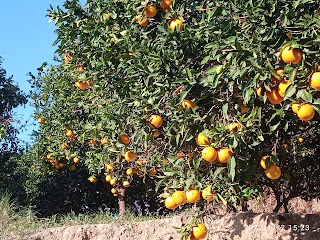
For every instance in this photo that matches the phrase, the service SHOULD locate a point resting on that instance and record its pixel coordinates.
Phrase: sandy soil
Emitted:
(244, 226)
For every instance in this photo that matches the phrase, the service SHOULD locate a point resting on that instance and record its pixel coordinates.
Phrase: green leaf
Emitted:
(232, 167)
(217, 172)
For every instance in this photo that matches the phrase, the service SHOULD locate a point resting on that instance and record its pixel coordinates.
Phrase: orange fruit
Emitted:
(57, 166)
(179, 197)
(124, 138)
(207, 194)
(209, 154)
(80, 69)
(180, 155)
(263, 161)
(199, 231)
(72, 168)
(109, 167)
(170, 204)
(224, 154)
(192, 237)
(150, 11)
(306, 112)
(174, 24)
(76, 160)
(274, 96)
(188, 104)
(193, 195)
(104, 141)
(273, 172)
(202, 140)
(64, 146)
(114, 191)
(82, 85)
(92, 142)
(130, 156)
(283, 86)
(259, 92)
(152, 172)
(69, 133)
(291, 55)
(234, 127)
(61, 165)
(295, 107)
(41, 119)
(144, 22)
(165, 4)
(300, 139)
(315, 81)
(129, 172)
(156, 121)
(156, 133)
(67, 57)
(125, 183)
(108, 178)
(113, 181)
(280, 72)
(92, 179)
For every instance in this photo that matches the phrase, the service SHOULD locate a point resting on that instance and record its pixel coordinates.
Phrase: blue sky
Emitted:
(25, 43)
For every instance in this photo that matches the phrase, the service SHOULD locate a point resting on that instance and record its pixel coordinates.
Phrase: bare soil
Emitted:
(233, 226)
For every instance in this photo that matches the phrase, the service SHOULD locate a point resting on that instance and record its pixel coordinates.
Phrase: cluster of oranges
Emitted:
(304, 111)
(150, 11)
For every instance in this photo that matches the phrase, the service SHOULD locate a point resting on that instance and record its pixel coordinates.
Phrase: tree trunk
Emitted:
(122, 201)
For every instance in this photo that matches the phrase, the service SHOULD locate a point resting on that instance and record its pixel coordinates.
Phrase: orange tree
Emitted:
(191, 94)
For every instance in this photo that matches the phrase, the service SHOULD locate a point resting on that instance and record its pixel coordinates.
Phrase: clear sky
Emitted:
(26, 39)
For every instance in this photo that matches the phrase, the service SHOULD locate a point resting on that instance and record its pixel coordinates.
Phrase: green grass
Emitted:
(19, 222)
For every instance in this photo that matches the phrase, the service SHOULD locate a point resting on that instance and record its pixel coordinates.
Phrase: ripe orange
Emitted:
(67, 57)
(72, 168)
(92, 179)
(109, 167)
(170, 204)
(129, 172)
(192, 237)
(188, 104)
(295, 107)
(152, 172)
(273, 172)
(263, 161)
(165, 4)
(150, 11)
(315, 81)
(306, 112)
(156, 133)
(61, 165)
(114, 191)
(234, 127)
(113, 181)
(41, 119)
(291, 55)
(130, 156)
(179, 198)
(174, 24)
(156, 121)
(144, 22)
(180, 155)
(80, 69)
(92, 142)
(108, 178)
(104, 141)
(124, 138)
(57, 166)
(125, 183)
(64, 146)
(202, 140)
(82, 85)
(283, 86)
(259, 92)
(300, 139)
(280, 72)
(274, 96)
(69, 133)
(209, 154)
(199, 231)
(193, 195)
(224, 154)
(207, 194)
(76, 160)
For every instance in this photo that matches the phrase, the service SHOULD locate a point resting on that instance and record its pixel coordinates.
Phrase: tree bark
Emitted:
(121, 202)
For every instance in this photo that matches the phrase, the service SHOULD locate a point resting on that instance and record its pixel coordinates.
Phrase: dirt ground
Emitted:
(246, 226)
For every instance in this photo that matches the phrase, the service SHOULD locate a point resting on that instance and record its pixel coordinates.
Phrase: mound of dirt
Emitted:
(244, 226)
